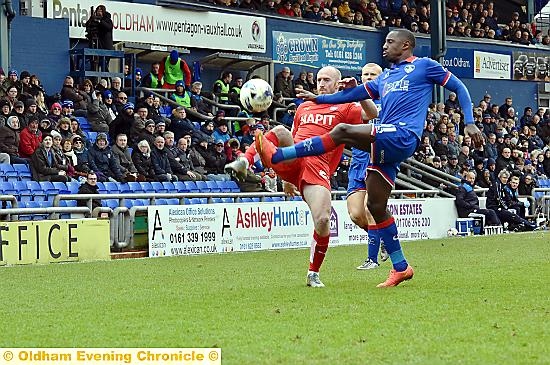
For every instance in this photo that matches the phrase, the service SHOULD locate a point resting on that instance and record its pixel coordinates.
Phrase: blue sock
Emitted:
(308, 147)
(374, 244)
(387, 232)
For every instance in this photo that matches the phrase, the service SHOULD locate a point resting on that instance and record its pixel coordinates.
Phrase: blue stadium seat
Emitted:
(198, 200)
(297, 198)
(134, 187)
(169, 186)
(91, 136)
(61, 187)
(228, 200)
(73, 186)
(23, 172)
(70, 203)
(45, 204)
(111, 187)
(48, 188)
(544, 183)
(180, 187)
(110, 203)
(201, 185)
(6, 188)
(145, 202)
(158, 187)
(161, 202)
(173, 201)
(229, 186)
(101, 188)
(25, 194)
(147, 187)
(84, 124)
(277, 199)
(9, 173)
(36, 190)
(186, 201)
(217, 200)
(4, 169)
(191, 187)
(213, 185)
(268, 199)
(246, 200)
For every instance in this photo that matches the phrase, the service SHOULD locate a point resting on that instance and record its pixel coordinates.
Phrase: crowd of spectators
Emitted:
(472, 19)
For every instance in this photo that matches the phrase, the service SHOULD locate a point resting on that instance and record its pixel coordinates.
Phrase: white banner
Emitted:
(167, 26)
(209, 228)
(492, 65)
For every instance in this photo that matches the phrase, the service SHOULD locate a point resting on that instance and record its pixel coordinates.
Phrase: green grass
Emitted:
(472, 301)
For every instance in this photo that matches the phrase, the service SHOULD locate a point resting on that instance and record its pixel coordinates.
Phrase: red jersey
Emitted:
(317, 119)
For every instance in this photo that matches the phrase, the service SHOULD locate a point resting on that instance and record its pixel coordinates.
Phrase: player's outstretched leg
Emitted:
(379, 192)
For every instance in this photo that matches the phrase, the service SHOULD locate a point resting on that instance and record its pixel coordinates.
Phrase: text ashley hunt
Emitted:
(269, 217)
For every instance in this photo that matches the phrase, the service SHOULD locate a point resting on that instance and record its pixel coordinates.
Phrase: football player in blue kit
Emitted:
(405, 91)
(357, 194)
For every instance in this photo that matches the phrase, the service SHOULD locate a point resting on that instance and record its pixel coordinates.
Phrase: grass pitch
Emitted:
(482, 300)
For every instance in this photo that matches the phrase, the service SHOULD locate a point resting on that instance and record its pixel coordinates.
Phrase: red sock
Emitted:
(319, 247)
(328, 142)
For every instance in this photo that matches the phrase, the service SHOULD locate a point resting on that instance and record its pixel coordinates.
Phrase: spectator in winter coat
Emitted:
(180, 125)
(182, 156)
(83, 162)
(467, 202)
(205, 132)
(161, 162)
(197, 153)
(102, 157)
(216, 159)
(122, 156)
(283, 83)
(70, 92)
(141, 157)
(29, 139)
(44, 165)
(99, 115)
(89, 187)
(9, 140)
(123, 122)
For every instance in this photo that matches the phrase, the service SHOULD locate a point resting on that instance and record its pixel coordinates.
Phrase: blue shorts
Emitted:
(392, 145)
(358, 170)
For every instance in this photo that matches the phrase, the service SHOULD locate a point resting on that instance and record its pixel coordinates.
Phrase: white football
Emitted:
(452, 232)
(256, 95)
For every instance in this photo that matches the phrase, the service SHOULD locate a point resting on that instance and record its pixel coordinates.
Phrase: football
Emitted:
(256, 95)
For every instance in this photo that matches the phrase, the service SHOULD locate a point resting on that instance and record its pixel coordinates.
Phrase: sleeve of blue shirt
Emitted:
(357, 93)
(441, 76)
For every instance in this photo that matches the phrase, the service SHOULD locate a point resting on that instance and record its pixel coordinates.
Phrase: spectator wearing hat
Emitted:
(182, 97)
(101, 156)
(172, 69)
(160, 129)
(123, 122)
(339, 180)
(9, 140)
(29, 139)
(108, 101)
(138, 77)
(5, 111)
(141, 157)
(99, 115)
(489, 125)
(123, 158)
(24, 86)
(71, 93)
(32, 111)
(452, 103)
(67, 108)
(453, 168)
(161, 162)
(147, 133)
(314, 13)
(221, 132)
(19, 111)
(64, 128)
(83, 162)
(179, 124)
(8, 83)
(44, 165)
(216, 159)
(205, 132)
(45, 126)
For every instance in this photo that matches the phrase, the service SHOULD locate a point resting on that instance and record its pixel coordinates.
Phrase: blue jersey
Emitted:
(405, 90)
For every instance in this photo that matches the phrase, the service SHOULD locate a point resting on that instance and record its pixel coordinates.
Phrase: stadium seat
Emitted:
(229, 186)
(246, 200)
(169, 186)
(147, 187)
(228, 200)
(111, 187)
(268, 199)
(9, 173)
(45, 204)
(161, 201)
(199, 200)
(91, 136)
(73, 186)
(61, 187)
(110, 203)
(277, 199)
(134, 187)
(71, 203)
(216, 200)
(145, 202)
(25, 194)
(23, 172)
(48, 188)
(158, 187)
(36, 191)
(201, 185)
(179, 187)
(4, 169)
(191, 187)
(173, 201)
(213, 185)
(101, 188)
(84, 124)
(6, 187)
(544, 183)
(297, 198)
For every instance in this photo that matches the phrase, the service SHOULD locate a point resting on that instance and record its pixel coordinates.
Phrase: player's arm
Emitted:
(358, 93)
(369, 109)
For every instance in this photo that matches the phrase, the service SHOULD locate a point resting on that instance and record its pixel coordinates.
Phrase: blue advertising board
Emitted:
(459, 61)
(317, 51)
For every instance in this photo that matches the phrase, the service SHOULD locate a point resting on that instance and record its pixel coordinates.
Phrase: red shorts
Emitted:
(312, 170)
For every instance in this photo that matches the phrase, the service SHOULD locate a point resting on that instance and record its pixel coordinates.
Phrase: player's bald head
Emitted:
(332, 71)
(405, 35)
(370, 71)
